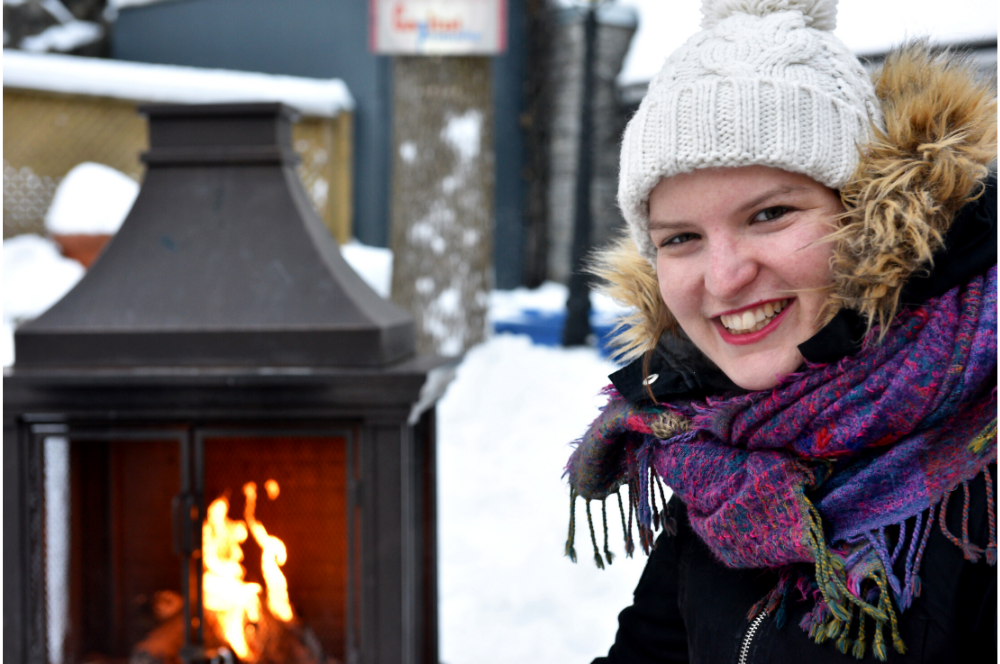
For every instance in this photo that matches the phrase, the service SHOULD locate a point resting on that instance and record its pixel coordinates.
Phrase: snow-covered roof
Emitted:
(171, 84)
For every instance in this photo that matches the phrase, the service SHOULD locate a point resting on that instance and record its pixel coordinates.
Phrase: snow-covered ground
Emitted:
(507, 592)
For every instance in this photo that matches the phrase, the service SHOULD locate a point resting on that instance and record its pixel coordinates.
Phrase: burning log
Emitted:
(274, 641)
(236, 618)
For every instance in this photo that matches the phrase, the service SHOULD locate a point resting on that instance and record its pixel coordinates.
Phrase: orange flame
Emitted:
(273, 556)
(237, 603)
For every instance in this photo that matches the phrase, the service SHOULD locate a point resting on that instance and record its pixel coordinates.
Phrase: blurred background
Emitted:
(464, 178)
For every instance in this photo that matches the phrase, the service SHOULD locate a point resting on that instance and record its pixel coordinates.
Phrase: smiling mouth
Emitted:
(753, 320)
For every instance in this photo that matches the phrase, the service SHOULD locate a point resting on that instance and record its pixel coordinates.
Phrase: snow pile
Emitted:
(91, 199)
(35, 276)
(373, 264)
(507, 592)
(136, 81)
(63, 37)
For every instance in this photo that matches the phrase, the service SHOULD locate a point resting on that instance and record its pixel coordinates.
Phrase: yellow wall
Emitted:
(47, 134)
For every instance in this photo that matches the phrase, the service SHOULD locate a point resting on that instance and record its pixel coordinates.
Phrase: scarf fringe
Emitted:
(646, 534)
(870, 600)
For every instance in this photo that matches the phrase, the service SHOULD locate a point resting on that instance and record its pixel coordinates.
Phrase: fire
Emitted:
(235, 602)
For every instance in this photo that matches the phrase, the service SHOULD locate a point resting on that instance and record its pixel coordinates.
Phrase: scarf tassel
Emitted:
(626, 529)
(970, 551)
(834, 614)
(571, 536)
(646, 533)
(610, 557)
(593, 539)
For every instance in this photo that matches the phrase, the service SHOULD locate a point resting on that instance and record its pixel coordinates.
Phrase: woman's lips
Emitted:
(758, 329)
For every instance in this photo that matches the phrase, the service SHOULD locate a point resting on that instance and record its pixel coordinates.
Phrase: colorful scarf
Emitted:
(815, 470)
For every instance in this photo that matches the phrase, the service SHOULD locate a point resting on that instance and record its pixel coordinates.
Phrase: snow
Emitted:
(35, 276)
(91, 199)
(373, 264)
(864, 26)
(507, 593)
(462, 134)
(136, 81)
(58, 10)
(63, 37)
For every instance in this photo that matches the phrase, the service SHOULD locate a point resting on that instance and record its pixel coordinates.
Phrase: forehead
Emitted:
(725, 186)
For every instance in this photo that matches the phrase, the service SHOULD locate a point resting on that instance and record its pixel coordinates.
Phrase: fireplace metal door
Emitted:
(116, 529)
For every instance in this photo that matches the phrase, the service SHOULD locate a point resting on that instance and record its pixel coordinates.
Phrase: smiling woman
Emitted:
(811, 365)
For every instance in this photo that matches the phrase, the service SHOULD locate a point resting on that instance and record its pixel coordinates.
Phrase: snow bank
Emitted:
(373, 264)
(63, 37)
(35, 276)
(91, 199)
(507, 592)
(171, 84)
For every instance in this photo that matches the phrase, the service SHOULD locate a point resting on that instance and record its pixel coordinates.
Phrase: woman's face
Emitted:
(740, 264)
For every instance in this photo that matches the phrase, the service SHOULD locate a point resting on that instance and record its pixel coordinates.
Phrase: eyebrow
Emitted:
(668, 225)
(655, 224)
(771, 193)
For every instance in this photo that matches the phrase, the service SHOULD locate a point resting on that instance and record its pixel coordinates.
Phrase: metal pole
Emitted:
(578, 305)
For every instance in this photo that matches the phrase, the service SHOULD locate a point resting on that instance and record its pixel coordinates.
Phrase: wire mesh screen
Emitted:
(301, 499)
(46, 134)
(110, 571)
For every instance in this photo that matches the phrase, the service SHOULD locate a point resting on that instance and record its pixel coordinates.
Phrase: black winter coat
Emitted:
(688, 607)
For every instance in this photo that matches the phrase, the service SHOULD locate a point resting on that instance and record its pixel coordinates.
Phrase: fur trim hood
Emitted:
(932, 157)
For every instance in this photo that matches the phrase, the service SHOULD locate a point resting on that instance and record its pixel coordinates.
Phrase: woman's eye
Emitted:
(680, 238)
(771, 213)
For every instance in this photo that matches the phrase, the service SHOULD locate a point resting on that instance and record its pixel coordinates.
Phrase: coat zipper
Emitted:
(748, 636)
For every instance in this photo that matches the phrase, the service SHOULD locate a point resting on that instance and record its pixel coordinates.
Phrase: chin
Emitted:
(763, 374)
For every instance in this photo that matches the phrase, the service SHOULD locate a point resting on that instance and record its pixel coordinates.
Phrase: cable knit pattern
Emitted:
(759, 87)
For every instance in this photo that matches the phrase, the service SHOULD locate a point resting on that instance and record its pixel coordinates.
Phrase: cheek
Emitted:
(678, 291)
(807, 263)
(811, 270)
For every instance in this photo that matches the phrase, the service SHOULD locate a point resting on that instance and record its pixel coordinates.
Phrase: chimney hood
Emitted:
(222, 261)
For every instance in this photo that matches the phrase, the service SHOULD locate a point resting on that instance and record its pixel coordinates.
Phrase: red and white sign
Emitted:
(438, 27)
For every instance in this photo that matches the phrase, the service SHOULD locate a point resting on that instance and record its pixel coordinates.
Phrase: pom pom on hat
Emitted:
(819, 14)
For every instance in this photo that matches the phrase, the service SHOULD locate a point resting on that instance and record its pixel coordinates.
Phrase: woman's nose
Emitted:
(731, 269)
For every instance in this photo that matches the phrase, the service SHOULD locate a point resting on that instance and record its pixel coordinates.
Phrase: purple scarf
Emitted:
(816, 469)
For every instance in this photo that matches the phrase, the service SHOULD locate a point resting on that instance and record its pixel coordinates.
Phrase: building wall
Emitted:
(324, 39)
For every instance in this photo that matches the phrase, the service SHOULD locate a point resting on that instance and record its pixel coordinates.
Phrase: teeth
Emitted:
(752, 320)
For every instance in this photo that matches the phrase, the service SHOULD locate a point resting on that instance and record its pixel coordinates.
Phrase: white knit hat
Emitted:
(765, 82)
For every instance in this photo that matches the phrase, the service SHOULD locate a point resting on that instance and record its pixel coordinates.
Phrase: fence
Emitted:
(48, 133)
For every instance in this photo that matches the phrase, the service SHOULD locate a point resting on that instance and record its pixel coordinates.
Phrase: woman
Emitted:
(813, 355)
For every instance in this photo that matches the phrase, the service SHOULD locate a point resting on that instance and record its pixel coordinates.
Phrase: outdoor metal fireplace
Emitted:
(220, 393)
